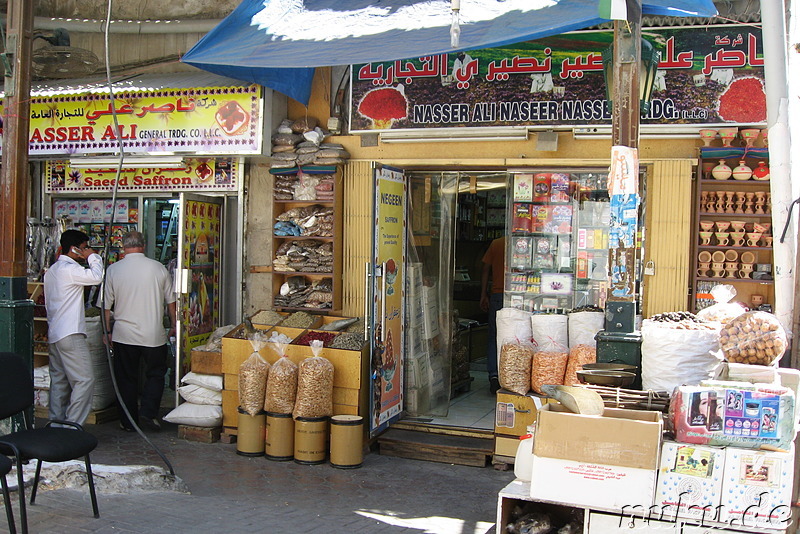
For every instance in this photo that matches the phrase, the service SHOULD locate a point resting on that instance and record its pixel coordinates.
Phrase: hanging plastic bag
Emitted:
(515, 367)
(724, 310)
(282, 384)
(314, 385)
(755, 338)
(253, 377)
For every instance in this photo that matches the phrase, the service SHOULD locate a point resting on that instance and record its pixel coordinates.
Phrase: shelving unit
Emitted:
(280, 276)
(728, 207)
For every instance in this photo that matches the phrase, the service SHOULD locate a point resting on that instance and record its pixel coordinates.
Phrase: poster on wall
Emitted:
(206, 120)
(201, 249)
(707, 75)
(192, 174)
(388, 297)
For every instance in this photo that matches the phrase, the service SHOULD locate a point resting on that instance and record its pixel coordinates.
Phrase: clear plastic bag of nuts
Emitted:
(282, 384)
(253, 377)
(314, 385)
(755, 338)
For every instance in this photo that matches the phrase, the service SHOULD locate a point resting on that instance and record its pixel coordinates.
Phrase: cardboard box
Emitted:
(757, 488)
(206, 363)
(607, 462)
(690, 481)
(599, 523)
(230, 403)
(230, 382)
(514, 412)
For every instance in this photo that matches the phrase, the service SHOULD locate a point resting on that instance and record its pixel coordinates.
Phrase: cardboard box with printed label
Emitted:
(757, 488)
(690, 480)
(606, 462)
(599, 523)
(515, 412)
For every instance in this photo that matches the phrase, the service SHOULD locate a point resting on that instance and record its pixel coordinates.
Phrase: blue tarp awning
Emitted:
(277, 43)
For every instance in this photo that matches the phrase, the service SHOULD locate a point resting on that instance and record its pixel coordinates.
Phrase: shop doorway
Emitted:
(453, 216)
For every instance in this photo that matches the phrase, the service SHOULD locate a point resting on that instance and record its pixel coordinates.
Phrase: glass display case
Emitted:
(558, 227)
(100, 220)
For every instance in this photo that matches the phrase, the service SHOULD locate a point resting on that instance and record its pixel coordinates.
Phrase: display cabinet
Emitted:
(558, 226)
(732, 233)
(307, 240)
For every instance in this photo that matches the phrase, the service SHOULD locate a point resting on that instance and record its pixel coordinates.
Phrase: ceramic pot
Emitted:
(761, 172)
(750, 135)
(728, 135)
(708, 136)
(742, 172)
(721, 171)
(737, 238)
(753, 238)
(722, 226)
(705, 238)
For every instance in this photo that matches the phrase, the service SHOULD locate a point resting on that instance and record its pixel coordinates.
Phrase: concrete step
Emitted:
(434, 447)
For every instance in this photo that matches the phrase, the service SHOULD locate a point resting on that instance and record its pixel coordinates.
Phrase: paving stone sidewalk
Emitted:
(232, 494)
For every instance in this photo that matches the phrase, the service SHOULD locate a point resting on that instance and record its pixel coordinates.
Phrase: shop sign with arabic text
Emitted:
(194, 174)
(210, 120)
(707, 75)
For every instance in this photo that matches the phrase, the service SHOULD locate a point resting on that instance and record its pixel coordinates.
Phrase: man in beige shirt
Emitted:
(136, 290)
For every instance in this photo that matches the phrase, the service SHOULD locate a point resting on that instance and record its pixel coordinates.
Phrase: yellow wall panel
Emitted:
(667, 239)
(357, 228)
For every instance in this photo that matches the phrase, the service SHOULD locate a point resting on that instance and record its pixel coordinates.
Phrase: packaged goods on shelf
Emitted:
(690, 480)
(734, 413)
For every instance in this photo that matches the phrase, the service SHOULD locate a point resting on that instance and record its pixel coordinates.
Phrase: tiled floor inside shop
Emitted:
(473, 408)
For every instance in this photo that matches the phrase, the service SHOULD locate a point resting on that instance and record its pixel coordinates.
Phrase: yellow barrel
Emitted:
(280, 437)
(310, 440)
(347, 450)
(250, 433)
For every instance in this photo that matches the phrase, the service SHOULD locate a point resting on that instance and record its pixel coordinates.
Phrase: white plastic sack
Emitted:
(213, 382)
(103, 395)
(513, 325)
(549, 332)
(583, 326)
(195, 415)
(672, 357)
(200, 395)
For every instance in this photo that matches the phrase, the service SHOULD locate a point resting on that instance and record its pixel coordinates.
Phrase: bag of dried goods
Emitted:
(677, 349)
(282, 384)
(583, 326)
(547, 368)
(253, 375)
(314, 385)
(549, 331)
(515, 367)
(755, 338)
(724, 309)
(578, 356)
(512, 325)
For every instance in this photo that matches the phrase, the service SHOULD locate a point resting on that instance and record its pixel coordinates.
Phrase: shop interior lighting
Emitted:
(130, 162)
(429, 135)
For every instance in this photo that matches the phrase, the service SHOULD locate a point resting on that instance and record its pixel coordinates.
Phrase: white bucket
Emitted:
(523, 461)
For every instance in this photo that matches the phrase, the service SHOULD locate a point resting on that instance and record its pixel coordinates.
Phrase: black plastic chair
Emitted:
(50, 444)
(5, 468)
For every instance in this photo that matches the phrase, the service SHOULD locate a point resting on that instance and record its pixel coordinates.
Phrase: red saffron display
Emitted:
(744, 101)
(308, 337)
(383, 106)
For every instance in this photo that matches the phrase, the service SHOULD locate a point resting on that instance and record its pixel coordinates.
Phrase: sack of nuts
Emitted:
(282, 385)
(253, 377)
(755, 338)
(515, 367)
(314, 387)
(547, 368)
(578, 356)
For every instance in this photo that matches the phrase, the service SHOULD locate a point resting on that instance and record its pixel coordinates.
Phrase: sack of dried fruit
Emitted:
(755, 338)
(578, 356)
(547, 368)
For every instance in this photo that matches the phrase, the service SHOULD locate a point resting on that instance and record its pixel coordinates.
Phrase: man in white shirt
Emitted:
(71, 376)
(136, 289)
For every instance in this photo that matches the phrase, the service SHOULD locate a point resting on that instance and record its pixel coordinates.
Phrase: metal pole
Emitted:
(16, 311)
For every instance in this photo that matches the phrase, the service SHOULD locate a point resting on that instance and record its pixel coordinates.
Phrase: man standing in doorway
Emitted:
(71, 375)
(494, 263)
(136, 289)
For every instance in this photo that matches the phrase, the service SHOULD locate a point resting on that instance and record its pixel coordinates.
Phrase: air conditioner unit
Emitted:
(129, 162)
(439, 135)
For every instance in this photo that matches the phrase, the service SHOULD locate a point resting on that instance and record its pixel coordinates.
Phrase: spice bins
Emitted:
(250, 436)
(346, 441)
(310, 440)
(279, 446)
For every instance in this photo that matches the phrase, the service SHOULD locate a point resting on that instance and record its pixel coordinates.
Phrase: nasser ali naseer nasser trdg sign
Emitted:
(707, 75)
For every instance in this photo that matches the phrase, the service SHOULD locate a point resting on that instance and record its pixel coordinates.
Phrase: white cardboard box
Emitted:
(757, 488)
(608, 462)
(599, 523)
(690, 480)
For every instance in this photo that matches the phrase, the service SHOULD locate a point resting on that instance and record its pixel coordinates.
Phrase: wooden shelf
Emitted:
(731, 181)
(304, 237)
(728, 247)
(734, 280)
(39, 353)
(306, 202)
(302, 273)
(40, 319)
(736, 215)
(319, 310)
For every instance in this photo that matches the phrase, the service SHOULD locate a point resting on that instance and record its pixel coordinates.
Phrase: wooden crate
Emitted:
(230, 403)
(202, 434)
(230, 382)
(514, 412)
(96, 417)
(206, 363)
